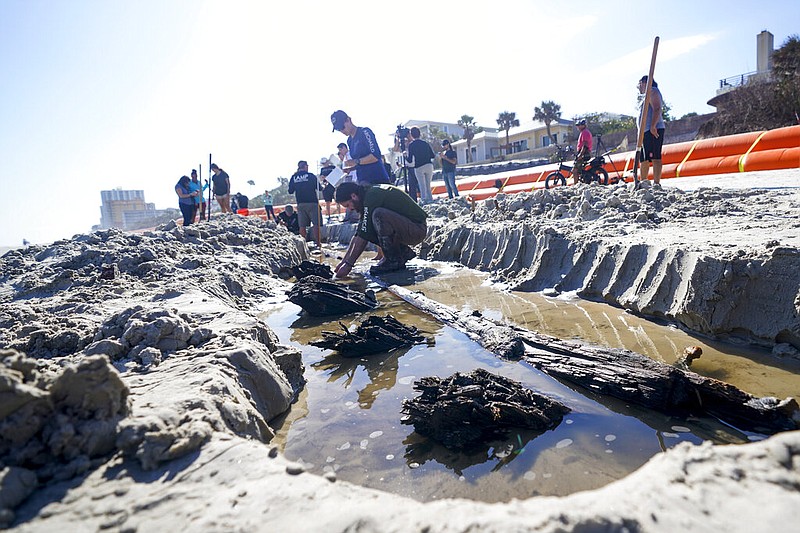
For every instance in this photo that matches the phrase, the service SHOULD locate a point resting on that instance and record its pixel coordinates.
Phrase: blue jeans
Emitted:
(187, 210)
(450, 183)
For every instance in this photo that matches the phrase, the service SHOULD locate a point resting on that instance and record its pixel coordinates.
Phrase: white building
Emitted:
(529, 139)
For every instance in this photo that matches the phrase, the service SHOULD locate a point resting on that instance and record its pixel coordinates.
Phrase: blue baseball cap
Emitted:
(338, 119)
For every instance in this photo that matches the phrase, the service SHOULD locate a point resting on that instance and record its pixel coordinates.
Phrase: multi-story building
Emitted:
(125, 209)
(527, 140)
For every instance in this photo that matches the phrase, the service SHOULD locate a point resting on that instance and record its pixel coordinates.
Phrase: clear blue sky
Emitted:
(103, 94)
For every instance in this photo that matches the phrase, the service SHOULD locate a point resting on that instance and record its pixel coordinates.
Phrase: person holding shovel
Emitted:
(653, 131)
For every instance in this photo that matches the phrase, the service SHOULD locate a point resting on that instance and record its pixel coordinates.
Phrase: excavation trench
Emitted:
(347, 419)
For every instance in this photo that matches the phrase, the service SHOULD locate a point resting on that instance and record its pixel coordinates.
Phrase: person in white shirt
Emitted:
(344, 155)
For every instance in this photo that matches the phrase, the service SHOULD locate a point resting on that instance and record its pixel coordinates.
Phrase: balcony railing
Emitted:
(742, 79)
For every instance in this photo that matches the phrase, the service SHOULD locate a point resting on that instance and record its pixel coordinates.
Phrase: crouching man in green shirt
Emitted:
(388, 218)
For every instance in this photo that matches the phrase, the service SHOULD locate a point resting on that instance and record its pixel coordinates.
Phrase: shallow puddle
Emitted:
(348, 418)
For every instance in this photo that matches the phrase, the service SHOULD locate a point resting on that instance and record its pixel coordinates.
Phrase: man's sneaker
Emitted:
(406, 253)
(386, 267)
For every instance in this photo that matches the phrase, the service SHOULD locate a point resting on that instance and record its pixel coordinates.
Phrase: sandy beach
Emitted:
(138, 380)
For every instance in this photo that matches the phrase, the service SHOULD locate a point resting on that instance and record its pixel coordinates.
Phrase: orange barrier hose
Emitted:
(780, 138)
(674, 153)
(685, 159)
(744, 152)
(744, 155)
(710, 165)
(438, 189)
(773, 159)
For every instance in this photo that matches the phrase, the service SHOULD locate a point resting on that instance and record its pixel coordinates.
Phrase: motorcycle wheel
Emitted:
(554, 179)
(601, 176)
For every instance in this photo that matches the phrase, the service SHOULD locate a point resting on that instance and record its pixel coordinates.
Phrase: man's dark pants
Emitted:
(397, 233)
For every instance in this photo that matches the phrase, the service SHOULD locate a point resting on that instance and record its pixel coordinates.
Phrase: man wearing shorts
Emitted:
(305, 187)
(653, 132)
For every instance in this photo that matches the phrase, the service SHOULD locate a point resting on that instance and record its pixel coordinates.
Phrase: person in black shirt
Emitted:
(411, 185)
(222, 188)
(420, 155)
(288, 218)
(305, 187)
(449, 161)
(240, 200)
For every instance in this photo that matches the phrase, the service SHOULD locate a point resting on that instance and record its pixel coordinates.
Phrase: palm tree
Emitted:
(470, 128)
(549, 112)
(507, 120)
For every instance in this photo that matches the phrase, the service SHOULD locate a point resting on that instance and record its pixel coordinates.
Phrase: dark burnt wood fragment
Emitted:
(466, 410)
(309, 268)
(319, 297)
(374, 335)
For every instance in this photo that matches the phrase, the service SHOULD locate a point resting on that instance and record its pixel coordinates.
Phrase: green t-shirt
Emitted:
(389, 197)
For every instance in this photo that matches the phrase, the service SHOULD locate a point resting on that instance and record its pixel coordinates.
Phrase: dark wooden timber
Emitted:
(306, 268)
(465, 410)
(320, 297)
(309, 268)
(374, 335)
(629, 376)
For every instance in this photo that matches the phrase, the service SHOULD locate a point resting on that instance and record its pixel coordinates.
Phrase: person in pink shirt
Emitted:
(584, 149)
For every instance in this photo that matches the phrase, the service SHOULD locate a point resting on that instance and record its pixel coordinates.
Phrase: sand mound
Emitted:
(142, 345)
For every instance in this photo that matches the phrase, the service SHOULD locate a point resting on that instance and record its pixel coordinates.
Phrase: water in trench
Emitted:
(347, 420)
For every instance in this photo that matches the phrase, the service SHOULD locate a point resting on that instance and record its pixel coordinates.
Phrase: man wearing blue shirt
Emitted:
(364, 151)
